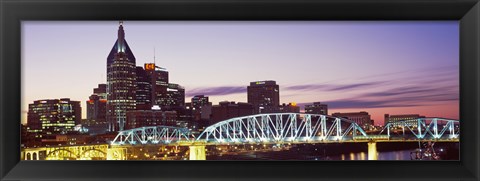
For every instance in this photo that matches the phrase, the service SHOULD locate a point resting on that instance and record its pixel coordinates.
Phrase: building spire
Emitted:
(121, 37)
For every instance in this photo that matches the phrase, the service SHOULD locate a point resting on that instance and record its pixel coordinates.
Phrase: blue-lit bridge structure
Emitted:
(291, 128)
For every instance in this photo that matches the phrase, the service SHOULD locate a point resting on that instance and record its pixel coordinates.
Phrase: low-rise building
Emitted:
(409, 118)
(316, 108)
(362, 118)
(154, 117)
(226, 110)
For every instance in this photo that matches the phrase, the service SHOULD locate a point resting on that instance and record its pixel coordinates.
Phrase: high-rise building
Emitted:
(316, 108)
(226, 110)
(53, 116)
(175, 99)
(96, 120)
(121, 79)
(101, 91)
(401, 117)
(264, 96)
(120, 45)
(168, 96)
(361, 118)
(97, 103)
(96, 108)
(158, 82)
(153, 89)
(144, 90)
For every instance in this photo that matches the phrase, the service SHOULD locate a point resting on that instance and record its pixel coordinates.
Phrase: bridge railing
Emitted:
(152, 135)
(424, 128)
(282, 127)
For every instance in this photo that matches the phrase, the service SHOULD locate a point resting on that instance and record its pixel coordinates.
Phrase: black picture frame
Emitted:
(12, 12)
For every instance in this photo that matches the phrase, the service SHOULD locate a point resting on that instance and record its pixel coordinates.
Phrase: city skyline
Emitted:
(425, 79)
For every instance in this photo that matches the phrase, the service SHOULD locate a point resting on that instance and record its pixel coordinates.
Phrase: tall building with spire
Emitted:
(121, 82)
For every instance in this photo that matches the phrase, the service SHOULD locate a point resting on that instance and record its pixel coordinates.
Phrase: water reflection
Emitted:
(403, 151)
(391, 155)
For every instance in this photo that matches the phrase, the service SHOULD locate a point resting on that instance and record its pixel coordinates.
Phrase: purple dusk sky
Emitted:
(395, 67)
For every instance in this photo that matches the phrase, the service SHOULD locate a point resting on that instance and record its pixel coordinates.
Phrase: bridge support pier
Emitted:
(197, 152)
(116, 154)
(372, 150)
(33, 154)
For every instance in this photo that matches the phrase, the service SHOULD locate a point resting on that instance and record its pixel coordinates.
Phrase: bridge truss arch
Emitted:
(92, 153)
(152, 135)
(76, 152)
(60, 154)
(425, 128)
(282, 128)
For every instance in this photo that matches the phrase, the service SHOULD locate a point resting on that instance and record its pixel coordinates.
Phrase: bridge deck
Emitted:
(195, 143)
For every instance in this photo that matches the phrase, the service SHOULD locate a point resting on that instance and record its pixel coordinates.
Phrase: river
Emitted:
(338, 152)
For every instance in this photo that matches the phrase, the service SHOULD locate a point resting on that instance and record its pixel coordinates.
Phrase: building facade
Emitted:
(144, 90)
(158, 82)
(226, 110)
(175, 99)
(264, 96)
(316, 108)
(96, 120)
(199, 100)
(101, 91)
(201, 108)
(97, 103)
(96, 108)
(141, 118)
(289, 108)
(53, 116)
(401, 117)
(169, 96)
(362, 118)
(121, 82)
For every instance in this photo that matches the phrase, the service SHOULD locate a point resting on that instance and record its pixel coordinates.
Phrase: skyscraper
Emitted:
(264, 96)
(158, 82)
(121, 80)
(168, 96)
(144, 90)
